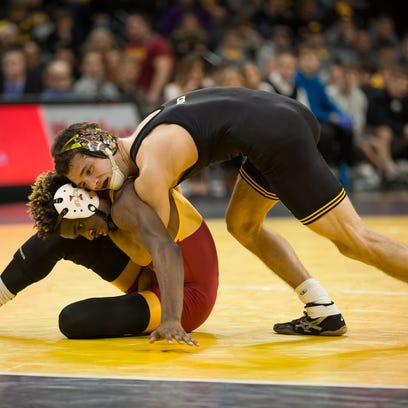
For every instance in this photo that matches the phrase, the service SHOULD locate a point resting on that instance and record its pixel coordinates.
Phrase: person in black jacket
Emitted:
(387, 120)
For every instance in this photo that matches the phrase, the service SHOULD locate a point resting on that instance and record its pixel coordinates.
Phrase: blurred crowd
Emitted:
(346, 59)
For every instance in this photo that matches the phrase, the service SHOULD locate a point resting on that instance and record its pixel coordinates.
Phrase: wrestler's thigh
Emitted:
(247, 205)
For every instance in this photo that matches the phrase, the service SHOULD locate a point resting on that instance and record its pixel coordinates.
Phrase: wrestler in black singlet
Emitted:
(115, 316)
(278, 136)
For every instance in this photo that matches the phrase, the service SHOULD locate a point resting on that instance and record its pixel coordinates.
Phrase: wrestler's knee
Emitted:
(346, 249)
(358, 246)
(70, 322)
(241, 229)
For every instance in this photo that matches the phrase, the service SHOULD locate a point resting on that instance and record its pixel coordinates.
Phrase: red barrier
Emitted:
(24, 147)
(26, 133)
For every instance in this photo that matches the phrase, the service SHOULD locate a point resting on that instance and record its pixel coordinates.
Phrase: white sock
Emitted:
(5, 294)
(310, 291)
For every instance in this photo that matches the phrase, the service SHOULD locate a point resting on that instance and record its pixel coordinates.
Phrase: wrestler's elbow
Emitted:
(167, 253)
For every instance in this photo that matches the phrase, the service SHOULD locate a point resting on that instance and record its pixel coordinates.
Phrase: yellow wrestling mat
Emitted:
(237, 341)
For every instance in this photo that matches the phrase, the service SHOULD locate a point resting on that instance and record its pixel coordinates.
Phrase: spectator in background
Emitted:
(220, 16)
(31, 18)
(190, 75)
(280, 40)
(250, 38)
(308, 18)
(171, 18)
(314, 36)
(112, 58)
(231, 50)
(387, 119)
(364, 52)
(9, 36)
(231, 76)
(334, 73)
(366, 81)
(16, 81)
(272, 14)
(387, 53)
(69, 55)
(125, 78)
(214, 71)
(58, 82)
(252, 77)
(92, 83)
(100, 39)
(380, 74)
(350, 98)
(341, 39)
(154, 53)
(282, 79)
(35, 58)
(383, 29)
(336, 138)
(63, 34)
(189, 37)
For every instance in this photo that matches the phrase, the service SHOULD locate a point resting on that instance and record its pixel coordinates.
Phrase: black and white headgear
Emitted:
(74, 202)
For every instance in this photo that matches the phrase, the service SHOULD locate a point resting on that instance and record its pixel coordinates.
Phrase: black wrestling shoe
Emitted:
(333, 325)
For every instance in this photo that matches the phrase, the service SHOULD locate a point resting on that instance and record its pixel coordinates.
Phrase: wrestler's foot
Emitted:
(333, 325)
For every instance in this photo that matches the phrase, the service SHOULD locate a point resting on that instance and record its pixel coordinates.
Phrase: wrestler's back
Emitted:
(225, 123)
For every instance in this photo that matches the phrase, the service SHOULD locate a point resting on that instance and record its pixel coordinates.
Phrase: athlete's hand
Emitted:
(170, 331)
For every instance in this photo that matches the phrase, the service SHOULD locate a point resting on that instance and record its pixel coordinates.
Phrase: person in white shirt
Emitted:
(282, 78)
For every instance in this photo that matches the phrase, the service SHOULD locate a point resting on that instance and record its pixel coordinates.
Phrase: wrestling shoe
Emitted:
(333, 325)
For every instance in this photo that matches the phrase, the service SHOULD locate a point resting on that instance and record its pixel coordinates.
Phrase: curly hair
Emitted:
(40, 204)
(84, 132)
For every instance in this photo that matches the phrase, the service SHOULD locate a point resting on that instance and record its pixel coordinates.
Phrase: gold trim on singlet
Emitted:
(256, 186)
(189, 218)
(155, 310)
(127, 277)
(326, 208)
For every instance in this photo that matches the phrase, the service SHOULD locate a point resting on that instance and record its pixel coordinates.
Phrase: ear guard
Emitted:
(73, 202)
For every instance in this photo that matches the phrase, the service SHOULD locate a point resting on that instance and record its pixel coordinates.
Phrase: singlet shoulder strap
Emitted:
(144, 131)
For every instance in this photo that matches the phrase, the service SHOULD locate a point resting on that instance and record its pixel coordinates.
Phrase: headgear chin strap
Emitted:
(73, 202)
(118, 178)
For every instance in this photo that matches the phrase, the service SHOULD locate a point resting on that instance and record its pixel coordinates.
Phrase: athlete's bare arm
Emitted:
(163, 157)
(131, 214)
